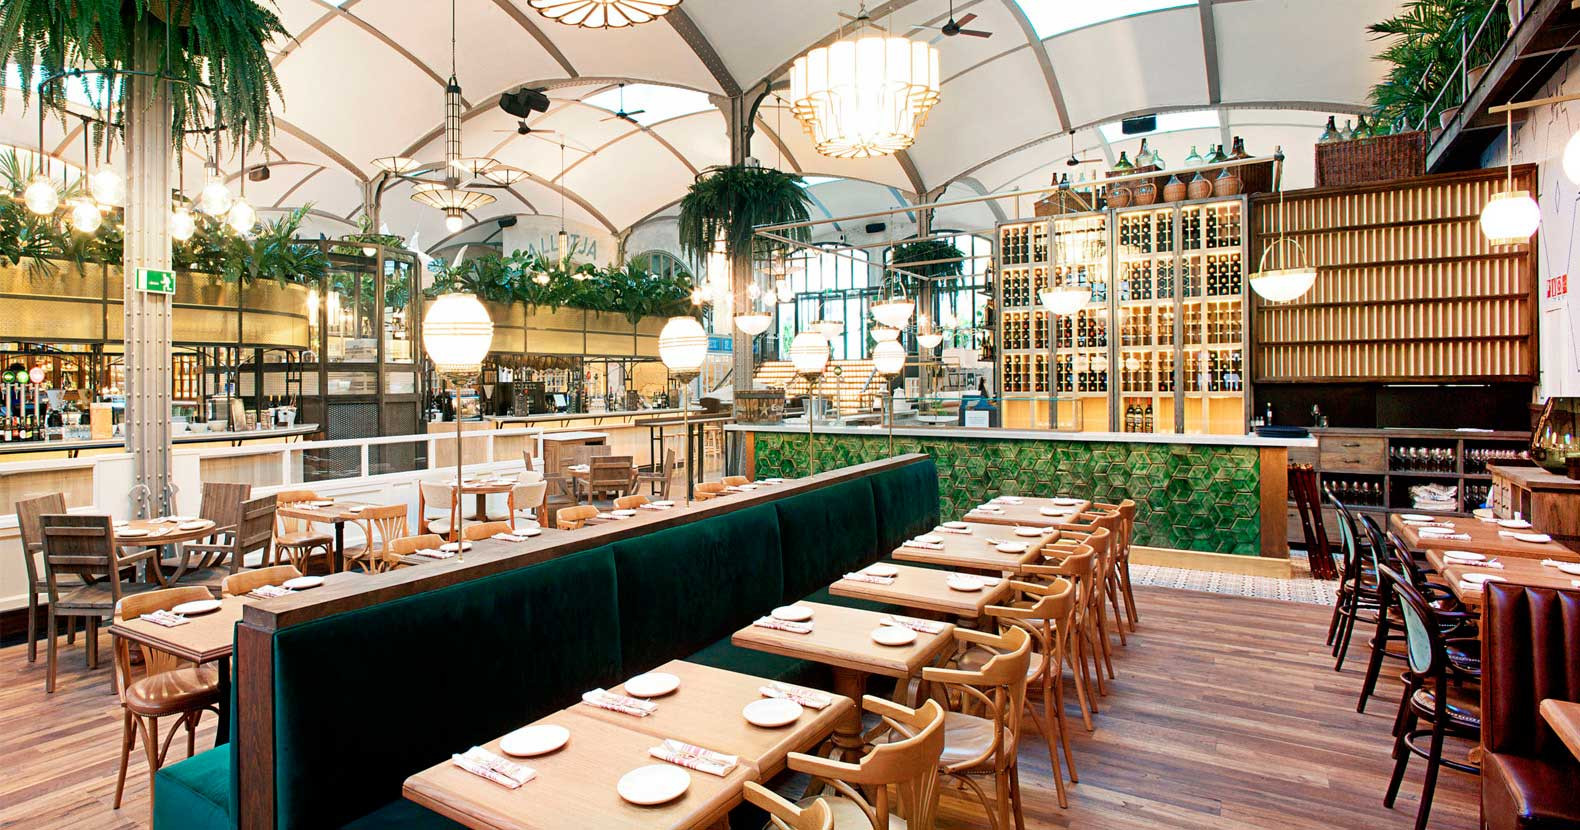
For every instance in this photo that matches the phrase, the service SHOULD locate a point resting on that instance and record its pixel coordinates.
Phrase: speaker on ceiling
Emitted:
(876, 227)
(524, 101)
(1139, 124)
(507, 222)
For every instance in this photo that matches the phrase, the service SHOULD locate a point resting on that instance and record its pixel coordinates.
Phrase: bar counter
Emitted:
(1195, 494)
(234, 438)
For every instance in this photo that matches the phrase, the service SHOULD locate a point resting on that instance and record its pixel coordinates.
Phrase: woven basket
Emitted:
(1065, 201)
(1380, 159)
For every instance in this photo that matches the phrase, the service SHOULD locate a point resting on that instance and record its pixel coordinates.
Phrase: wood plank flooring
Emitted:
(1225, 714)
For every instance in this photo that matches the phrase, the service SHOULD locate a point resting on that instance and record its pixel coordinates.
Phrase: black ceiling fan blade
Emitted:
(635, 112)
(975, 33)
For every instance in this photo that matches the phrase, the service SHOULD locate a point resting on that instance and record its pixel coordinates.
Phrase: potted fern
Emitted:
(726, 204)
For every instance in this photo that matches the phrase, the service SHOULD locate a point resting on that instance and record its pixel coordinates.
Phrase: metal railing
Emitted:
(1461, 69)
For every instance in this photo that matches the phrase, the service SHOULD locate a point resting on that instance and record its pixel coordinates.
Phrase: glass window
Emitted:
(398, 275)
(829, 286)
(349, 314)
(1053, 17)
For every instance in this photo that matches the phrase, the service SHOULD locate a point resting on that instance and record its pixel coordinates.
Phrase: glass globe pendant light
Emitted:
(182, 224)
(85, 216)
(108, 186)
(241, 217)
(41, 197)
(214, 199)
(1511, 217)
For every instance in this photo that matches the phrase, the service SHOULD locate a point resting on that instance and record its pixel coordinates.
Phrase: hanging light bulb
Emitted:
(453, 221)
(753, 292)
(1510, 218)
(182, 224)
(215, 199)
(783, 291)
(241, 217)
(108, 186)
(541, 278)
(41, 196)
(85, 216)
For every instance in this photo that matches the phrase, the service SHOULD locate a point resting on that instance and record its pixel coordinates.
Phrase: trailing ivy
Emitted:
(531, 278)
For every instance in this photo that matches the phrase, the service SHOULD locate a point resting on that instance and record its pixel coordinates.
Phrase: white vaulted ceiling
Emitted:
(364, 78)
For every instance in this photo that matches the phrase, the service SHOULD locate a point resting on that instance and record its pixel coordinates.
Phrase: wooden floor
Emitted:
(1226, 714)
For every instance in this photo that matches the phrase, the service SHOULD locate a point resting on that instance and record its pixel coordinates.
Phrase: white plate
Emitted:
(196, 607)
(1534, 538)
(131, 532)
(1464, 556)
(931, 539)
(322, 503)
(1010, 547)
(624, 514)
(534, 740)
(771, 712)
(449, 546)
(1571, 568)
(957, 525)
(964, 582)
(1436, 531)
(1514, 524)
(665, 503)
(302, 583)
(893, 635)
(530, 531)
(652, 684)
(881, 569)
(178, 518)
(1416, 517)
(1028, 531)
(1481, 577)
(654, 784)
(195, 525)
(792, 613)
(773, 481)
(1065, 501)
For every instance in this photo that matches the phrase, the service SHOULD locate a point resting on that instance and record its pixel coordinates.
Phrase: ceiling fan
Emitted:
(621, 112)
(956, 27)
(522, 128)
(1074, 160)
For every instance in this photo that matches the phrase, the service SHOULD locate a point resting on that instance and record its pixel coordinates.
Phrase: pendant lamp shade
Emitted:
(41, 197)
(894, 313)
(809, 352)
(754, 323)
(457, 333)
(888, 357)
(1065, 300)
(683, 346)
(603, 14)
(884, 334)
(1510, 218)
(1282, 285)
(930, 340)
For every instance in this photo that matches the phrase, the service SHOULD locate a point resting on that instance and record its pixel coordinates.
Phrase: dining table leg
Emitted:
(846, 738)
(339, 564)
(222, 729)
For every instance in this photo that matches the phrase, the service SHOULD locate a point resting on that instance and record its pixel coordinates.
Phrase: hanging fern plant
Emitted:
(218, 47)
(729, 202)
(1422, 53)
(928, 251)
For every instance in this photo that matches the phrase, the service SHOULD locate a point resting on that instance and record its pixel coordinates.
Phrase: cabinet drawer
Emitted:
(1339, 453)
(1303, 455)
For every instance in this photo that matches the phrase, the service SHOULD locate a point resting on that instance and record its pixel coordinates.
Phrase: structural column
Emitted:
(738, 117)
(147, 315)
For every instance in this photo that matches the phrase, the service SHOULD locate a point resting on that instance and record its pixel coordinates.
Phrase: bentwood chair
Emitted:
(379, 525)
(1078, 566)
(252, 529)
(168, 687)
(28, 515)
(574, 517)
(658, 479)
(1447, 709)
(1108, 554)
(1091, 617)
(708, 490)
(1047, 613)
(782, 815)
(484, 530)
(908, 764)
(297, 540)
(734, 481)
(245, 582)
(84, 547)
(1127, 531)
(433, 496)
(631, 502)
(397, 550)
(986, 744)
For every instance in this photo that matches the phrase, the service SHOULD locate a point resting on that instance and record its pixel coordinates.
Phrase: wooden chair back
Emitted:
(407, 545)
(283, 524)
(243, 583)
(82, 546)
(1047, 612)
(909, 764)
(611, 474)
(782, 815)
(662, 475)
(484, 530)
(734, 481)
(222, 503)
(381, 524)
(574, 517)
(255, 527)
(631, 502)
(29, 515)
(155, 662)
(1308, 503)
(709, 489)
(528, 495)
(998, 687)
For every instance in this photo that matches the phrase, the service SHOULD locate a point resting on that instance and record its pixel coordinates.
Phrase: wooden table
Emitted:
(336, 514)
(170, 535)
(842, 639)
(208, 638)
(1484, 538)
(705, 711)
(977, 552)
(1515, 571)
(924, 588)
(1564, 717)
(480, 490)
(575, 786)
(1028, 513)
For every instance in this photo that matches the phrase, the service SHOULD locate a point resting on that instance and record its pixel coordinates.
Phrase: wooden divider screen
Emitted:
(1408, 288)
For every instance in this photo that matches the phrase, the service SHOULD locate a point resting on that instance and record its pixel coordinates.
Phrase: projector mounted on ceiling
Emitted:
(1138, 125)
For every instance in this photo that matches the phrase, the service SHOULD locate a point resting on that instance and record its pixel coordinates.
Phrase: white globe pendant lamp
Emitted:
(683, 347)
(457, 335)
(888, 357)
(214, 199)
(41, 197)
(241, 217)
(1296, 277)
(1064, 300)
(182, 224)
(1510, 218)
(884, 334)
(108, 186)
(85, 216)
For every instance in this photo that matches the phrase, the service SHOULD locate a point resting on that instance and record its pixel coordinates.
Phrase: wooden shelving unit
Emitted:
(1408, 288)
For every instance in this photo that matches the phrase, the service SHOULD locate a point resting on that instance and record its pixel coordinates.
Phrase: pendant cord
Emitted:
(452, 38)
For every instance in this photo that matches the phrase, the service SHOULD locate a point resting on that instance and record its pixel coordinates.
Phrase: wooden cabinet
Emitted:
(1353, 453)
(1547, 500)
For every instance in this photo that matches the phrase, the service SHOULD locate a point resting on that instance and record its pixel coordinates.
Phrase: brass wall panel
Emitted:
(66, 281)
(611, 344)
(647, 346)
(277, 330)
(540, 341)
(651, 326)
(49, 320)
(562, 319)
(203, 325)
(609, 323)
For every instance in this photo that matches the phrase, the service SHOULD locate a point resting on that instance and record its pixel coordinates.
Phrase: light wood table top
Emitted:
(1515, 571)
(1484, 538)
(161, 533)
(338, 511)
(924, 588)
(203, 639)
(705, 711)
(1029, 512)
(977, 551)
(842, 637)
(1564, 717)
(575, 786)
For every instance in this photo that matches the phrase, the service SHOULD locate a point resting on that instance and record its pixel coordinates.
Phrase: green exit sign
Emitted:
(154, 281)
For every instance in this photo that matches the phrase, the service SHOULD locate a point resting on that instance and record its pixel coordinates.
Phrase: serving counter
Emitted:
(1197, 495)
(234, 438)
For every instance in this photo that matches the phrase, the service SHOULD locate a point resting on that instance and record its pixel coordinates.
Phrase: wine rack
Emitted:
(1160, 345)
(1409, 289)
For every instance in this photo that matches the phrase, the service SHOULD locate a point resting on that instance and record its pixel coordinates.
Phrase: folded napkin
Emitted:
(635, 707)
(963, 531)
(434, 553)
(733, 489)
(810, 698)
(1458, 537)
(1434, 525)
(986, 580)
(695, 757)
(924, 626)
(269, 592)
(656, 506)
(510, 537)
(1469, 586)
(502, 771)
(784, 625)
(858, 576)
(1490, 563)
(916, 543)
(168, 619)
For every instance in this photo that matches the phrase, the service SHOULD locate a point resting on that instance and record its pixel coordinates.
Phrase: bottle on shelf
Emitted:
(1123, 165)
(1330, 133)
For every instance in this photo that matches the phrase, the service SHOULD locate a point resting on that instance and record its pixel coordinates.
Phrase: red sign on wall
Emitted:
(1555, 290)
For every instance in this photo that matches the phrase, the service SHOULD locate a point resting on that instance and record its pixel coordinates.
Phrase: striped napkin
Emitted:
(963, 531)
(810, 698)
(1490, 563)
(635, 707)
(269, 592)
(1457, 537)
(168, 619)
(859, 576)
(433, 553)
(924, 626)
(784, 625)
(1432, 525)
(695, 757)
(917, 543)
(484, 764)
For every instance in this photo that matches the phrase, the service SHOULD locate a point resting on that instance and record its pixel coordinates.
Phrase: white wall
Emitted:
(1541, 141)
(537, 233)
(660, 234)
